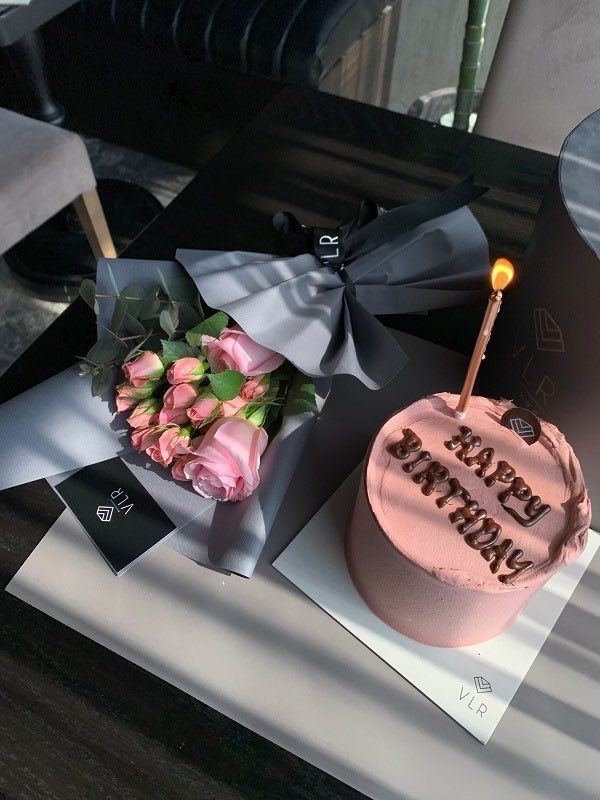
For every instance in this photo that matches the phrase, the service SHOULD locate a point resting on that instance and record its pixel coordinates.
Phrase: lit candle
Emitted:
(502, 275)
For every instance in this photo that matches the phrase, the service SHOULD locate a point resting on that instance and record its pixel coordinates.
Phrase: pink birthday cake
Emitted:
(458, 523)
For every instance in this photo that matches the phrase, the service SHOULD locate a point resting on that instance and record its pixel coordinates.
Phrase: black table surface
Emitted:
(76, 720)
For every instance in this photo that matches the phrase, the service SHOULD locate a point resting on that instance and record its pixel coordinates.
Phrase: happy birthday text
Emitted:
(480, 531)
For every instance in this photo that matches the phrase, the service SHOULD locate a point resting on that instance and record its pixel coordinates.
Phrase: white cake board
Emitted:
(474, 684)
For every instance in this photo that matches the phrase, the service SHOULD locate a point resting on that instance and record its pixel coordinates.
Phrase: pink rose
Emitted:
(144, 437)
(186, 370)
(145, 413)
(142, 368)
(204, 407)
(231, 407)
(129, 396)
(167, 443)
(125, 403)
(234, 349)
(177, 469)
(255, 387)
(227, 460)
(176, 401)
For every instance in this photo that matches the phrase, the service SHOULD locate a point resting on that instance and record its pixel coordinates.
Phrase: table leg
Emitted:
(26, 57)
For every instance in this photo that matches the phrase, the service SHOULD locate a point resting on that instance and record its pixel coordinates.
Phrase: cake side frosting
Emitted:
(533, 526)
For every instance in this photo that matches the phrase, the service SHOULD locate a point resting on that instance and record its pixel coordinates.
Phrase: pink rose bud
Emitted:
(227, 460)
(255, 387)
(204, 407)
(125, 403)
(141, 438)
(231, 407)
(177, 469)
(234, 349)
(186, 370)
(145, 367)
(172, 441)
(176, 401)
(128, 396)
(145, 413)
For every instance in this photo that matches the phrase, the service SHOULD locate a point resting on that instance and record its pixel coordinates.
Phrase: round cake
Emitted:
(457, 523)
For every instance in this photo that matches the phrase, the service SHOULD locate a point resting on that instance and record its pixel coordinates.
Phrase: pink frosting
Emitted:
(418, 528)
(402, 549)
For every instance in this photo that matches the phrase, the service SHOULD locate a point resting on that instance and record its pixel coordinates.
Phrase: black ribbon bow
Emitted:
(321, 316)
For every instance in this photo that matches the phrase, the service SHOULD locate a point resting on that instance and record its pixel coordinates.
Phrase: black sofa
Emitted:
(342, 46)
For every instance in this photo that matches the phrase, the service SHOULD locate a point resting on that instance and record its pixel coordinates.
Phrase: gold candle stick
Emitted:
(502, 275)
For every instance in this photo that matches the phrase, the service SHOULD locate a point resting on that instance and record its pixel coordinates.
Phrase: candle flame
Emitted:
(502, 274)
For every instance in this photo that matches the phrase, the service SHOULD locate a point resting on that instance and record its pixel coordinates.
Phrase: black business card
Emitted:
(117, 513)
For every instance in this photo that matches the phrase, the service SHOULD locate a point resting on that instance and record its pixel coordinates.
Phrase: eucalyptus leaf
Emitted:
(134, 294)
(132, 326)
(150, 304)
(137, 347)
(182, 289)
(173, 310)
(188, 316)
(105, 350)
(227, 384)
(87, 292)
(101, 381)
(166, 323)
(173, 350)
(118, 315)
(168, 319)
(211, 326)
(163, 283)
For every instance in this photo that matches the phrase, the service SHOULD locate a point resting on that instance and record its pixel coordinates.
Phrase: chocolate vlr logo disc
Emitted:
(523, 423)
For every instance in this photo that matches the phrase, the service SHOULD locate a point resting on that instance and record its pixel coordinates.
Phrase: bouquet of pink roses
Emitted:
(201, 402)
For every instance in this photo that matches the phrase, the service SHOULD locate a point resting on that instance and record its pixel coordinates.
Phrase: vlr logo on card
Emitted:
(104, 513)
(467, 696)
(120, 504)
(116, 511)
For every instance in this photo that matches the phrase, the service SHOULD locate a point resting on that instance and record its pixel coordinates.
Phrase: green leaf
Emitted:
(84, 368)
(137, 347)
(256, 415)
(105, 350)
(101, 381)
(132, 326)
(163, 283)
(227, 384)
(171, 351)
(134, 290)
(87, 292)
(169, 319)
(300, 396)
(150, 304)
(118, 315)
(211, 326)
(182, 289)
(188, 316)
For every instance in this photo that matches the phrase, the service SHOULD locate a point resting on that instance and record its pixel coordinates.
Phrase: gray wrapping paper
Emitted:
(322, 319)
